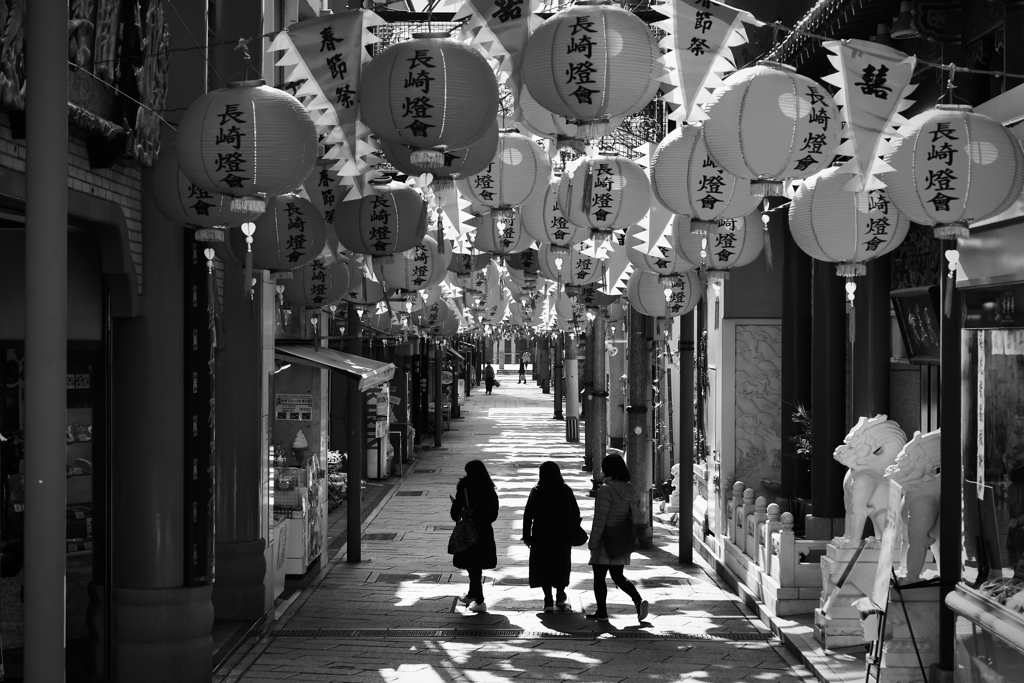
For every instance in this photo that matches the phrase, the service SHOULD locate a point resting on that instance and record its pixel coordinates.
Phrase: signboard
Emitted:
(446, 377)
(298, 407)
(880, 591)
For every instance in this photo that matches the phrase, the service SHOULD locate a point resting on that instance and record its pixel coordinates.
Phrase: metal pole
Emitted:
(617, 385)
(598, 398)
(356, 443)
(559, 386)
(637, 455)
(870, 393)
(438, 394)
(572, 391)
(687, 337)
(46, 337)
(951, 491)
(828, 392)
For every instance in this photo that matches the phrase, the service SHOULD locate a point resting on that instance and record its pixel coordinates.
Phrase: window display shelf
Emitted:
(1001, 621)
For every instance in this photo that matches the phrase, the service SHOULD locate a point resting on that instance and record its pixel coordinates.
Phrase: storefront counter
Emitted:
(300, 502)
(989, 638)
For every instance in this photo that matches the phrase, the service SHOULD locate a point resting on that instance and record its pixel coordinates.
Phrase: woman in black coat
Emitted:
(483, 501)
(551, 513)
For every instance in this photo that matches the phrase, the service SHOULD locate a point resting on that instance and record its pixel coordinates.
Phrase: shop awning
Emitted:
(369, 373)
(449, 351)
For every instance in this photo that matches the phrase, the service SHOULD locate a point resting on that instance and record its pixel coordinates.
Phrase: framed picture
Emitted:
(917, 312)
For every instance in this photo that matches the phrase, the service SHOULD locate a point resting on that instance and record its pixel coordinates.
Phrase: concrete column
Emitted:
(638, 455)
(684, 437)
(559, 386)
(46, 337)
(241, 566)
(796, 349)
(598, 399)
(435, 369)
(355, 421)
(544, 364)
(572, 391)
(870, 393)
(828, 399)
(616, 387)
(588, 377)
(501, 353)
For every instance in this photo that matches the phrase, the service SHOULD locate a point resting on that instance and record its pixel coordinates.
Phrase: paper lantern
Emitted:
(289, 234)
(184, 202)
(664, 261)
(434, 314)
(527, 261)
(458, 163)
(462, 263)
(847, 228)
(392, 217)
(736, 242)
(953, 166)
(662, 297)
(247, 140)
(446, 328)
(767, 123)
(574, 268)
(382, 320)
(317, 284)
(501, 236)
(431, 93)
(518, 172)
(545, 222)
(421, 267)
(541, 123)
(604, 193)
(687, 181)
(362, 291)
(591, 62)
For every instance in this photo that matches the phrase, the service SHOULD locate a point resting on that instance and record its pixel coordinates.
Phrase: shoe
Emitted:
(478, 607)
(466, 599)
(597, 616)
(561, 601)
(642, 610)
(549, 606)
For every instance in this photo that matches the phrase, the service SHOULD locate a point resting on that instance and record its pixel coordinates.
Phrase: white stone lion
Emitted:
(916, 470)
(870, 447)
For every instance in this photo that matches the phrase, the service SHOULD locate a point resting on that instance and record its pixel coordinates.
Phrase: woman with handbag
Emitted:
(475, 498)
(551, 526)
(613, 537)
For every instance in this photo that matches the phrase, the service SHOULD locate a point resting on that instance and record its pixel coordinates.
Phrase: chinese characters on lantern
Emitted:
(814, 142)
(416, 109)
(483, 183)
(327, 197)
(939, 179)
(317, 282)
(381, 211)
(879, 221)
(678, 299)
(420, 259)
(295, 246)
(602, 202)
(201, 207)
(583, 266)
(230, 160)
(725, 242)
(580, 73)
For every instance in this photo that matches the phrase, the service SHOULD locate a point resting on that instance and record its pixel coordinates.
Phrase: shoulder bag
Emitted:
(464, 535)
(574, 533)
(620, 540)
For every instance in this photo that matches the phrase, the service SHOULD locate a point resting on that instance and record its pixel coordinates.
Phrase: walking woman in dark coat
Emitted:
(483, 501)
(551, 513)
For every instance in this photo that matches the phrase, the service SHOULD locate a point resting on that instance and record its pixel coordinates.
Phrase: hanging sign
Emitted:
(700, 33)
(873, 82)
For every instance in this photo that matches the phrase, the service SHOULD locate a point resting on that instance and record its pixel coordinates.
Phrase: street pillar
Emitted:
(544, 365)
(598, 398)
(588, 375)
(685, 409)
(797, 281)
(871, 345)
(637, 451)
(572, 391)
(46, 337)
(435, 347)
(616, 385)
(355, 421)
(828, 400)
(559, 382)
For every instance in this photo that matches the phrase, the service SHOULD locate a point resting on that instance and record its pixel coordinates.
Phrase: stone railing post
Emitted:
(764, 549)
(733, 510)
(741, 526)
(755, 532)
(784, 549)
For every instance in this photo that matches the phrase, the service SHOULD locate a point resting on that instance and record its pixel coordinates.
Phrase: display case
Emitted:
(300, 510)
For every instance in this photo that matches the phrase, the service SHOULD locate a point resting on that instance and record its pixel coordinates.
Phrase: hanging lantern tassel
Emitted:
(248, 229)
(952, 259)
(254, 205)
(765, 219)
(851, 288)
(428, 158)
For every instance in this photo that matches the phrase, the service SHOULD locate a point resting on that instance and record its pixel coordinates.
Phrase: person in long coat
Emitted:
(612, 507)
(489, 378)
(551, 513)
(483, 501)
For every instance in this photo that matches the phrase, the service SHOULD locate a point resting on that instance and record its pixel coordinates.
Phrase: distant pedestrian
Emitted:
(527, 359)
(478, 489)
(612, 507)
(551, 514)
(489, 378)
(522, 369)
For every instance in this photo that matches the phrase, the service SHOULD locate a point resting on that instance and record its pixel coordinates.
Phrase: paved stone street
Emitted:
(395, 615)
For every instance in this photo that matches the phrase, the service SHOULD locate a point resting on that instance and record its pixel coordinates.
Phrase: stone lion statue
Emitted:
(870, 447)
(916, 470)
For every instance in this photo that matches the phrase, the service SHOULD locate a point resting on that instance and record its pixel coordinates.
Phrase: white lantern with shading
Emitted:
(687, 181)
(846, 228)
(501, 235)
(736, 243)
(664, 261)
(647, 293)
(421, 267)
(604, 193)
(518, 173)
(545, 222)
(574, 268)
(317, 284)
(952, 167)
(767, 123)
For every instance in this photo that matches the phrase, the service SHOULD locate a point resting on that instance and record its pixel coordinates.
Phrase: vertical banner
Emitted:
(700, 33)
(200, 426)
(873, 82)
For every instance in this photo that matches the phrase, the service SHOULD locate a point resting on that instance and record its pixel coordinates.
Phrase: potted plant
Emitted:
(800, 459)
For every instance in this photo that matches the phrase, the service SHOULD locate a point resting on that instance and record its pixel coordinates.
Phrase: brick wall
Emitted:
(120, 183)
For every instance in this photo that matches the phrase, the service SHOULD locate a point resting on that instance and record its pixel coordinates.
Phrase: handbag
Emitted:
(464, 534)
(620, 540)
(575, 535)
